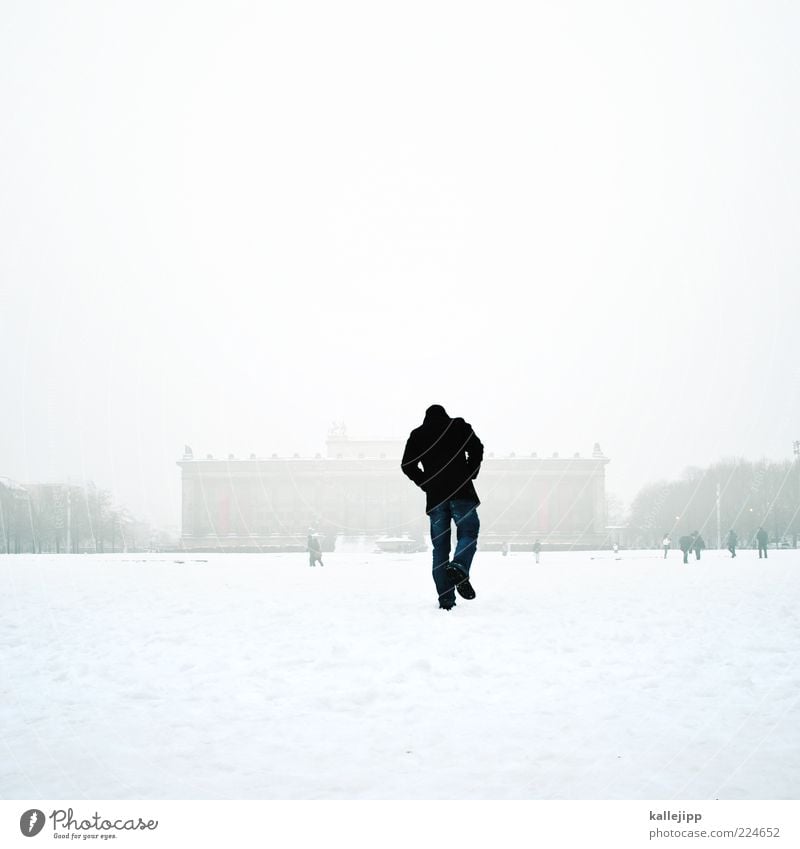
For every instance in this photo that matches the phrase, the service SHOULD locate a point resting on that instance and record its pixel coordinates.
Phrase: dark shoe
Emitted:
(444, 605)
(461, 581)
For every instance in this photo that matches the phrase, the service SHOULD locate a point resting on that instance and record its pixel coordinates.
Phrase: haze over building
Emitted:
(357, 489)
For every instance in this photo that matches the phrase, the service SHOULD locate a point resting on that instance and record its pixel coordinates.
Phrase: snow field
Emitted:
(247, 676)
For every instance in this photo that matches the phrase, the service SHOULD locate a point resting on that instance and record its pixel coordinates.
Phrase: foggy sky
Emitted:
(229, 224)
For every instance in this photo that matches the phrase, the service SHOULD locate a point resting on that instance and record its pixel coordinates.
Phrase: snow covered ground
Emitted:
(240, 676)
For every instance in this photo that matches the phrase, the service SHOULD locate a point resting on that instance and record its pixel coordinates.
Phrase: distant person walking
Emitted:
(762, 538)
(732, 540)
(685, 543)
(665, 544)
(537, 548)
(314, 549)
(504, 548)
(699, 544)
(443, 456)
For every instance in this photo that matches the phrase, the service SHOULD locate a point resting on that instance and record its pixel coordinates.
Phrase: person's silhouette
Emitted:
(443, 456)
(762, 538)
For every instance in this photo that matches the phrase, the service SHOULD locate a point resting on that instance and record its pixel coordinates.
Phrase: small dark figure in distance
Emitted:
(665, 544)
(732, 540)
(537, 548)
(685, 543)
(504, 548)
(443, 456)
(314, 549)
(762, 538)
(699, 543)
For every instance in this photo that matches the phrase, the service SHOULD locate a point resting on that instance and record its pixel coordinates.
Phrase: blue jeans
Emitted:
(465, 514)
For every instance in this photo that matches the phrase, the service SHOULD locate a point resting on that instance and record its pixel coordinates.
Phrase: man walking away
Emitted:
(665, 544)
(442, 457)
(732, 540)
(314, 549)
(537, 547)
(762, 538)
(685, 542)
(699, 544)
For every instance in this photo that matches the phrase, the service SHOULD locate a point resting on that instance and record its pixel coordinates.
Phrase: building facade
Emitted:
(358, 489)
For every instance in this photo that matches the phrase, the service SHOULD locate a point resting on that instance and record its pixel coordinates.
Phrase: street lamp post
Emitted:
(796, 452)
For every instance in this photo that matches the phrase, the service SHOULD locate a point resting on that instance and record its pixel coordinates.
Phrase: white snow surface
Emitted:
(257, 677)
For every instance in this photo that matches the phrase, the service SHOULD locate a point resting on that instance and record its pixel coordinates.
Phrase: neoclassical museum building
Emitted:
(358, 490)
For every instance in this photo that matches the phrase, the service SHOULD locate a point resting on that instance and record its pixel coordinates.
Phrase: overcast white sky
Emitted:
(228, 224)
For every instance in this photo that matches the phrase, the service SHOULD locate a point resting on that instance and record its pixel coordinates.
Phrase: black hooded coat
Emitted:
(443, 456)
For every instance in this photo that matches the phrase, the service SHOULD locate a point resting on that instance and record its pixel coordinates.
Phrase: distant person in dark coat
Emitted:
(537, 548)
(762, 538)
(699, 544)
(442, 457)
(732, 540)
(686, 542)
(314, 550)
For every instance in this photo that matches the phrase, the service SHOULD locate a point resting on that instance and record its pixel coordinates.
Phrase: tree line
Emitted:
(756, 494)
(66, 518)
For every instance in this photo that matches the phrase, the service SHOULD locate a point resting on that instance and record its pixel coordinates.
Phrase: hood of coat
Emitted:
(436, 417)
